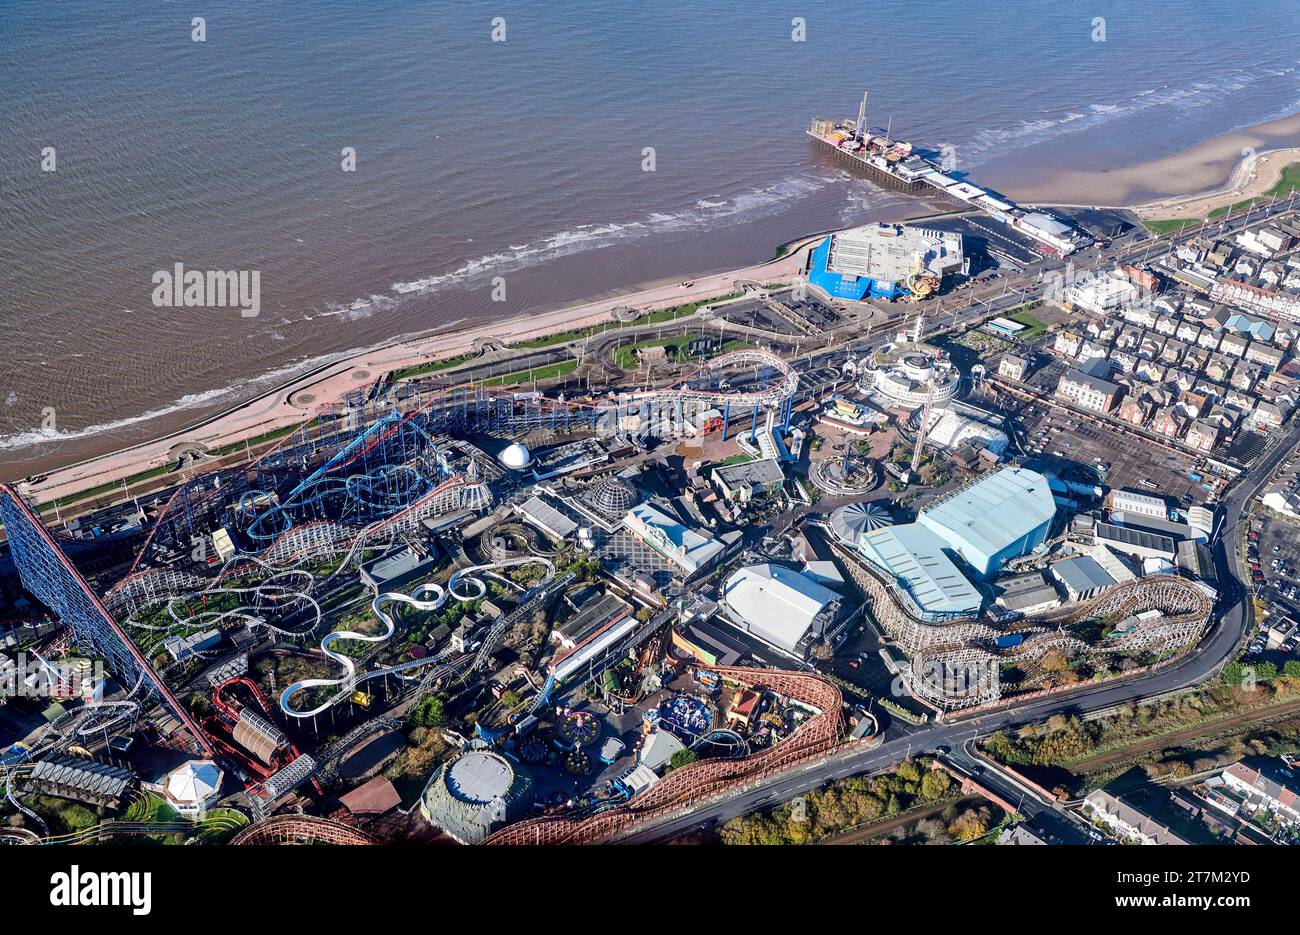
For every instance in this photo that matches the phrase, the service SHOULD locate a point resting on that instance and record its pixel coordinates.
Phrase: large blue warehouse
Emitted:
(851, 286)
(999, 517)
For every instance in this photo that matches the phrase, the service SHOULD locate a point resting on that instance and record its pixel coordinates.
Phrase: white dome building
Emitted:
(193, 787)
(905, 381)
(476, 792)
(516, 457)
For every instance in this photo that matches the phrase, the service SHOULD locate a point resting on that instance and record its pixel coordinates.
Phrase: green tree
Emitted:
(682, 758)
(935, 784)
(431, 712)
(908, 771)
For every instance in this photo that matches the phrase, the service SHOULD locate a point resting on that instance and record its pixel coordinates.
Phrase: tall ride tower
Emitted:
(50, 577)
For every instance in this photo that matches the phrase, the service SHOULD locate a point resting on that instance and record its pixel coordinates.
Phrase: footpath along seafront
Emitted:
(301, 399)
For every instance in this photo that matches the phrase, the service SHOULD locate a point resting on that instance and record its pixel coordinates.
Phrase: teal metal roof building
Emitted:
(998, 517)
(915, 557)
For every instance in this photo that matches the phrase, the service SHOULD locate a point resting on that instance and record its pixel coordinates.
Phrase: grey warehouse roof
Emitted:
(90, 776)
(1134, 537)
(1082, 574)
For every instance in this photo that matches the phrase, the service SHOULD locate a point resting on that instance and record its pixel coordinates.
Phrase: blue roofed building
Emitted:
(843, 285)
(1261, 329)
(996, 518)
(885, 261)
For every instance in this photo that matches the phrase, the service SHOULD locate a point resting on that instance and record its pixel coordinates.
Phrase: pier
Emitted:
(895, 164)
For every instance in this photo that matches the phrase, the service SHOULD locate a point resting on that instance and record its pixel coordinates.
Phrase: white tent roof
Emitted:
(778, 603)
(951, 429)
(193, 781)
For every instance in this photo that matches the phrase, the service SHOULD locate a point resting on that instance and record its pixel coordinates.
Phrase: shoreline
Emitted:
(1205, 170)
(296, 400)
(1253, 175)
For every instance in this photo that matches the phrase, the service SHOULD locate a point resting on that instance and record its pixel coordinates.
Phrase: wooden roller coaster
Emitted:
(688, 785)
(301, 829)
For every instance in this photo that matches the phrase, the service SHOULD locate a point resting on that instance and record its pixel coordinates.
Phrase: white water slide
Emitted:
(464, 585)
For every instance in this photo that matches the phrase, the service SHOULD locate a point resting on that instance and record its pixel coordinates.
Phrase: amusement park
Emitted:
(442, 611)
(449, 609)
(459, 560)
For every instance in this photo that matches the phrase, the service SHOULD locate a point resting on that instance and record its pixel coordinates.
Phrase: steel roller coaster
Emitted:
(349, 483)
(379, 472)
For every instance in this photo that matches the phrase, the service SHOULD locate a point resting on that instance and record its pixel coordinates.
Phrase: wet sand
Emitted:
(1205, 170)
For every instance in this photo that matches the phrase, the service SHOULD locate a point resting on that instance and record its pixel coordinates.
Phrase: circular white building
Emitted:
(516, 457)
(476, 792)
(904, 382)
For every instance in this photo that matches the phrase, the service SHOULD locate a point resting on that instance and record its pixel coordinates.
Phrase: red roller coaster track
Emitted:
(689, 784)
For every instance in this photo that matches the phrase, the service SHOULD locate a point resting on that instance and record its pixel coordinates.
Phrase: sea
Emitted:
(393, 167)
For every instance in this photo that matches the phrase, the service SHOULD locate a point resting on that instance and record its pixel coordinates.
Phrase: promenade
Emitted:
(300, 400)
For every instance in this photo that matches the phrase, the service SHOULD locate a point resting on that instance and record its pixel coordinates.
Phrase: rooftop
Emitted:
(479, 776)
(1093, 383)
(684, 545)
(761, 472)
(590, 617)
(885, 251)
(372, 798)
(547, 517)
(1123, 535)
(993, 512)
(395, 565)
(914, 556)
(779, 603)
(1082, 574)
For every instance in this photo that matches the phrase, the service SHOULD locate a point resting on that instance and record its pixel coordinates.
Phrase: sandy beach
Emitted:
(1254, 175)
(1209, 171)
(299, 400)
(1200, 179)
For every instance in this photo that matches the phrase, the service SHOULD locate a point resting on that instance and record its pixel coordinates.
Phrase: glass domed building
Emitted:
(613, 496)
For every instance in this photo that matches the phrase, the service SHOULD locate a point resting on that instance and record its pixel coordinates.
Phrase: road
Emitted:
(1048, 818)
(1217, 648)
